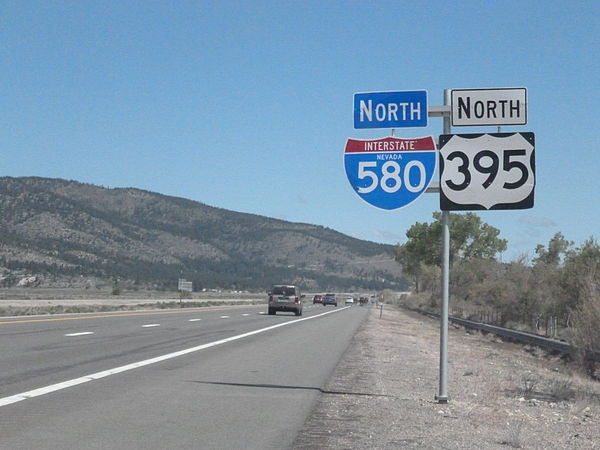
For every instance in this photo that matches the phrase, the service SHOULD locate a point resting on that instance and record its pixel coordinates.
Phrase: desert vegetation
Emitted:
(557, 292)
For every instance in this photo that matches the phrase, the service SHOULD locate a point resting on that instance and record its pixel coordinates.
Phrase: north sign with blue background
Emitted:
(399, 109)
(391, 172)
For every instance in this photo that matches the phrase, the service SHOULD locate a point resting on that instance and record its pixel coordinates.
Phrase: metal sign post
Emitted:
(442, 396)
(484, 171)
(362, 161)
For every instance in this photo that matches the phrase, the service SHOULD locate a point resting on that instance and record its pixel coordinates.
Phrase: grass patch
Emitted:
(513, 435)
(529, 383)
(561, 390)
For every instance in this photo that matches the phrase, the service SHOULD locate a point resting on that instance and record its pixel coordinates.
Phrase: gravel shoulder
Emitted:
(381, 395)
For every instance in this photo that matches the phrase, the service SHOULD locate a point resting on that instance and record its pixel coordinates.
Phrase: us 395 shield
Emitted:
(487, 171)
(391, 172)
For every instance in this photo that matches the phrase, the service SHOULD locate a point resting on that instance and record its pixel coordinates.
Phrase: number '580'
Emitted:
(392, 176)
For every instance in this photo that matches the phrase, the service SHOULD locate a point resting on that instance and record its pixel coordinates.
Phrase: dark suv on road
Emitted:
(285, 297)
(330, 299)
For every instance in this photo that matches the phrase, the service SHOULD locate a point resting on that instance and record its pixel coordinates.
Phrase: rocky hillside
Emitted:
(55, 232)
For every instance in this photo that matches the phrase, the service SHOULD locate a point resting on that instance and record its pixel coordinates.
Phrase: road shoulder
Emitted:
(381, 394)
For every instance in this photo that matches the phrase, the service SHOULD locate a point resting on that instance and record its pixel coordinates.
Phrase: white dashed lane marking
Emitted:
(224, 317)
(83, 333)
(98, 375)
(194, 320)
(150, 325)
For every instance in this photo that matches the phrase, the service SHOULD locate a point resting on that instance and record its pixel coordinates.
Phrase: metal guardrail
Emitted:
(520, 336)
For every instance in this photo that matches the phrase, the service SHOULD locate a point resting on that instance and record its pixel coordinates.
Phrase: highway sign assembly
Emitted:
(477, 171)
(184, 286)
(487, 171)
(389, 173)
(484, 107)
(399, 109)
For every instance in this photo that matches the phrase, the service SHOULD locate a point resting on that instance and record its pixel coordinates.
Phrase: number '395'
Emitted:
(487, 162)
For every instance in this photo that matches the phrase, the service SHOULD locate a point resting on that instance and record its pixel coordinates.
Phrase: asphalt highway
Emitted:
(227, 377)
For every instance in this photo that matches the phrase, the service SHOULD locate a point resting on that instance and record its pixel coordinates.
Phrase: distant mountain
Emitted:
(56, 232)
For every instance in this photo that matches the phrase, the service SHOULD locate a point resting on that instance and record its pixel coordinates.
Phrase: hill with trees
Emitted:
(55, 232)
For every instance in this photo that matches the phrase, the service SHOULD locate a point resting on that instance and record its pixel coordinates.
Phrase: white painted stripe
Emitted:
(245, 315)
(194, 320)
(83, 333)
(150, 325)
(96, 376)
(262, 312)
(224, 317)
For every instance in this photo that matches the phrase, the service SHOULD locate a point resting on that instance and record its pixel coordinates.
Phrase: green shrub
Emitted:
(586, 332)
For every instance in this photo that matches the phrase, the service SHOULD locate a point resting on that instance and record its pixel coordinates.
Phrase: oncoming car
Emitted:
(285, 297)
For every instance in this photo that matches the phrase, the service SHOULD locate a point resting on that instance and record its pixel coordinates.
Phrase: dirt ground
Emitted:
(502, 395)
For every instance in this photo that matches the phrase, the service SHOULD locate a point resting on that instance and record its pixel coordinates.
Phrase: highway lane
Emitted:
(43, 350)
(254, 392)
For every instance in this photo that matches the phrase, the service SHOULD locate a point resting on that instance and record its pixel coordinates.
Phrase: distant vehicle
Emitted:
(363, 300)
(285, 297)
(349, 301)
(317, 299)
(330, 299)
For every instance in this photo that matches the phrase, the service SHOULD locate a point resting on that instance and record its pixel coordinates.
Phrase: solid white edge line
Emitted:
(96, 376)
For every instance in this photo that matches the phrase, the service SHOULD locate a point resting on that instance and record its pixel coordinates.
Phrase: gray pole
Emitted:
(442, 396)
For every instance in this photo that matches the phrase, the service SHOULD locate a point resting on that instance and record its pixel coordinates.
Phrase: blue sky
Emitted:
(247, 105)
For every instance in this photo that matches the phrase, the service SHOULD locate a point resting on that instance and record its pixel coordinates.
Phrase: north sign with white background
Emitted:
(487, 171)
(485, 107)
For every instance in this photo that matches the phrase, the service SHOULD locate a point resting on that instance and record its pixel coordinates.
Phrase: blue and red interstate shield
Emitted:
(391, 172)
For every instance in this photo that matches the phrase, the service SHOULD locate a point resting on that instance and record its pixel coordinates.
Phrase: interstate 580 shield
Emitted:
(391, 172)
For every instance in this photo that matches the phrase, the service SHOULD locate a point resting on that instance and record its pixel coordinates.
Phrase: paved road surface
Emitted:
(214, 378)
